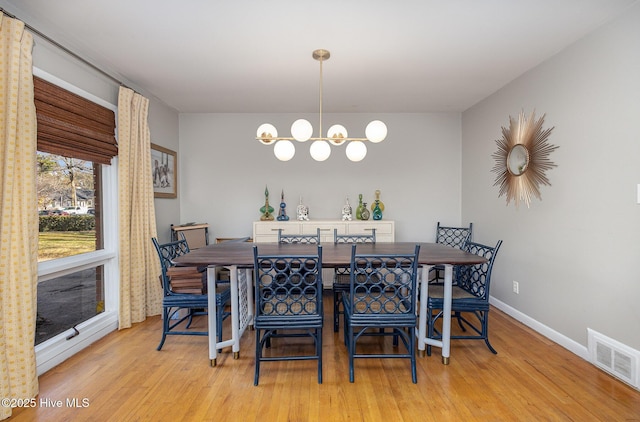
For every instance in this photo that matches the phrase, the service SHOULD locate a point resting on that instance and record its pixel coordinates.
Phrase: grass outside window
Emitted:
(52, 245)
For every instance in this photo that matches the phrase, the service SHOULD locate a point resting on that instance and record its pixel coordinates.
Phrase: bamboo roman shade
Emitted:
(73, 126)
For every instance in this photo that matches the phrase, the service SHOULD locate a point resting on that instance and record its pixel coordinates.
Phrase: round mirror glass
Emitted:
(518, 159)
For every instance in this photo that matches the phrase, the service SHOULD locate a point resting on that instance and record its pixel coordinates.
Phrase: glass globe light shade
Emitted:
(266, 132)
(301, 130)
(320, 150)
(356, 150)
(376, 131)
(284, 150)
(336, 134)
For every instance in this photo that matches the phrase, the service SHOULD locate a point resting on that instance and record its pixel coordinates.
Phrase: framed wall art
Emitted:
(164, 171)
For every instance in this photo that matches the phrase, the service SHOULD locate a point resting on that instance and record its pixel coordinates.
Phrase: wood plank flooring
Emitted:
(123, 378)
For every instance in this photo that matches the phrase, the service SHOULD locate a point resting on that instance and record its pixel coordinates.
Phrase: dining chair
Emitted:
(456, 237)
(288, 294)
(184, 289)
(382, 294)
(341, 276)
(469, 299)
(299, 238)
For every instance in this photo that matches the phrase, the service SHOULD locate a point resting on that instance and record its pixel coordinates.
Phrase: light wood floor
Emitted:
(123, 378)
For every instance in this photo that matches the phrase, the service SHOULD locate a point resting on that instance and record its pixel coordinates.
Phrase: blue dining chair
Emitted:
(184, 289)
(469, 298)
(288, 293)
(456, 237)
(342, 275)
(299, 238)
(382, 295)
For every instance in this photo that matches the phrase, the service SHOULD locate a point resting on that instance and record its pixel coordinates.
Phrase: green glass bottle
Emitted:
(377, 212)
(359, 209)
(377, 207)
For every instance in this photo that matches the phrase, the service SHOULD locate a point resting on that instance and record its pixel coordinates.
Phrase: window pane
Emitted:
(66, 301)
(69, 206)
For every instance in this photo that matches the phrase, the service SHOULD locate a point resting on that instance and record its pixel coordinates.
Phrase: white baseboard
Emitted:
(550, 333)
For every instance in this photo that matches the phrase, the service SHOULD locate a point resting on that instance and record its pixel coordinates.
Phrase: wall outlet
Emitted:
(516, 287)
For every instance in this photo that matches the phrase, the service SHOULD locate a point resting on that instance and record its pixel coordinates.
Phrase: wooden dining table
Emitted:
(238, 258)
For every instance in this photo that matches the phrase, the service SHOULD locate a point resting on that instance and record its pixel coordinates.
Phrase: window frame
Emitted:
(55, 350)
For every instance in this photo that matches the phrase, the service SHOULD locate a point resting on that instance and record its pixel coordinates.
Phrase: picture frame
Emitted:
(164, 172)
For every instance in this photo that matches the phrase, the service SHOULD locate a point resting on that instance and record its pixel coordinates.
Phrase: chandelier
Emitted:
(302, 131)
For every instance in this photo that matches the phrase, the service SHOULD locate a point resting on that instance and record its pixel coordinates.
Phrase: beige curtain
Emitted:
(18, 216)
(140, 291)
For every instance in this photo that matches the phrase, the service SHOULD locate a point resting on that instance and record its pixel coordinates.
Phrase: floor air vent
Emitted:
(614, 357)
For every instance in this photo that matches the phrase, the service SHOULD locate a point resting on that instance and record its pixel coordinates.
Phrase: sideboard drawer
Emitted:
(385, 229)
(326, 229)
(267, 231)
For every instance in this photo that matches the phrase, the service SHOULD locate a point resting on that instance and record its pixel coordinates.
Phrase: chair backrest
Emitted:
(288, 287)
(456, 237)
(167, 252)
(299, 238)
(476, 279)
(354, 238)
(383, 284)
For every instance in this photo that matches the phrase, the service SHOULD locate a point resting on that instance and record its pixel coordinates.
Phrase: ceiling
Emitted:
(255, 56)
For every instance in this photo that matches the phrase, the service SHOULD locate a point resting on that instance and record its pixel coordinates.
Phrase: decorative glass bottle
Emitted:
(359, 208)
(377, 207)
(266, 210)
(365, 212)
(282, 214)
(377, 212)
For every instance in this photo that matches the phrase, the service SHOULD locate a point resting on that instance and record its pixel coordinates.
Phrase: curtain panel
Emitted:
(18, 215)
(140, 290)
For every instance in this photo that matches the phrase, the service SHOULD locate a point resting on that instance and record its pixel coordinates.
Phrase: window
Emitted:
(70, 224)
(77, 203)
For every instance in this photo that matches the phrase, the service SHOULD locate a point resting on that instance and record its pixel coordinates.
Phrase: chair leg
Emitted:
(458, 316)
(486, 340)
(190, 319)
(258, 357)
(430, 323)
(165, 326)
(351, 348)
(319, 353)
(345, 330)
(412, 351)
(485, 331)
(336, 310)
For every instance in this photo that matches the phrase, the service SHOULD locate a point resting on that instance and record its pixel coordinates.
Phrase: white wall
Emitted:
(224, 171)
(575, 253)
(163, 124)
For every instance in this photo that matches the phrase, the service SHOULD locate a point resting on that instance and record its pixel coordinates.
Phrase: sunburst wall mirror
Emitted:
(523, 158)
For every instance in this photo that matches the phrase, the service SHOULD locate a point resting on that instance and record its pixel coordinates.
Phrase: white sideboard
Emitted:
(267, 231)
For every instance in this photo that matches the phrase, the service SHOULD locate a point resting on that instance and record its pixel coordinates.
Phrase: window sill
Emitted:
(58, 349)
